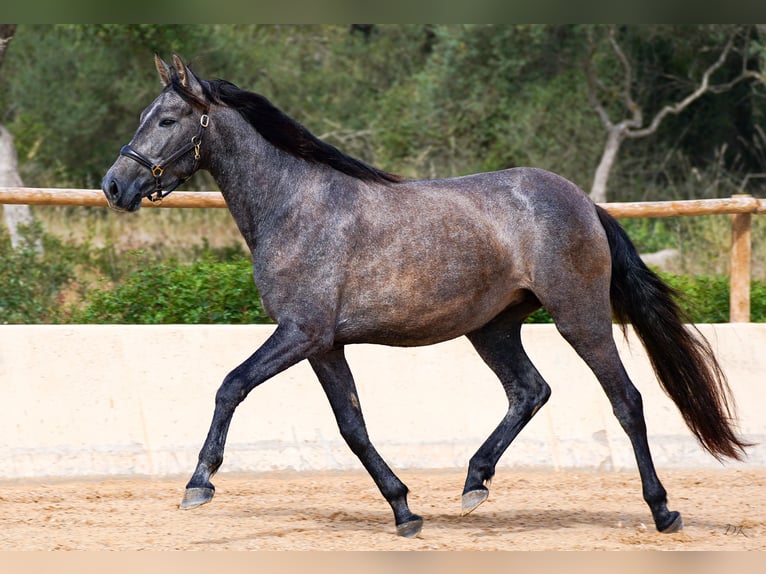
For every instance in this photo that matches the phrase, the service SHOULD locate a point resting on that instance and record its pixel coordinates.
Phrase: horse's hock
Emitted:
(97, 400)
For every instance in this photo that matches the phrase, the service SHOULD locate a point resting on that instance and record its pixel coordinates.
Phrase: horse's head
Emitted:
(167, 146)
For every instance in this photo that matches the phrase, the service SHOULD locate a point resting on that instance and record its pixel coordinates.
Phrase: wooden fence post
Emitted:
(739, 267)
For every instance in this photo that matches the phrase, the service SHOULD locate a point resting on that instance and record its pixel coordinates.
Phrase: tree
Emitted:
(15, 216)
(632, 124)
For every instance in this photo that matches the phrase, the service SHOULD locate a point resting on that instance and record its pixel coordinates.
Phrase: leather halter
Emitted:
(157, 169)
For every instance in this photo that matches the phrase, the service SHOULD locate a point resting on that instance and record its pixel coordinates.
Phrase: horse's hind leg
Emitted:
(499, 345)
(338, 384)
(587, 327)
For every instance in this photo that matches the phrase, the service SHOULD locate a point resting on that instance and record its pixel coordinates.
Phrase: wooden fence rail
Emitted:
(740, 207)
(96, 198)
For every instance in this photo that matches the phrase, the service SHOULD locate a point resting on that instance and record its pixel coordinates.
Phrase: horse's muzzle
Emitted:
(121, 196)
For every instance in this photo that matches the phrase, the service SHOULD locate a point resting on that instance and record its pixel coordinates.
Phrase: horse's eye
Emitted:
(167, 122)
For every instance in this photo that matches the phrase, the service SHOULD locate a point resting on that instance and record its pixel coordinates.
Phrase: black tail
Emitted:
(681, 357)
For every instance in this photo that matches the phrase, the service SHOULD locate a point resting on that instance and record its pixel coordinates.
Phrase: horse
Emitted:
(346, 253)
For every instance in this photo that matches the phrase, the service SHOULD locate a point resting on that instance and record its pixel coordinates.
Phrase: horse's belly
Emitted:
(412, 319)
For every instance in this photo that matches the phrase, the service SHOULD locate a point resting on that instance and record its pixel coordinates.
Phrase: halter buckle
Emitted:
(157, 171)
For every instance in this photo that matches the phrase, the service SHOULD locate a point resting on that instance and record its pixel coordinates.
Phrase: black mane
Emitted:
(285, 133)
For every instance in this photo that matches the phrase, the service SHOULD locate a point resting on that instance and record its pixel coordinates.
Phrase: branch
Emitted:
(678, 107)
(590, 78)
(630, 103)
(745, 75)
(630, 127)
(6, 35)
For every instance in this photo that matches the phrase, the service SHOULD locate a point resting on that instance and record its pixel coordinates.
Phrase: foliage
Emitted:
(84, 284)
(701, 298)
(421, 100)
(31, 282)
(223, 292)
(704, 299)
(206, 291)
(70, 94)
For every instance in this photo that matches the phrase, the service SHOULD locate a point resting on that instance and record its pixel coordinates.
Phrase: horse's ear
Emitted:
(188, 80)
(163, 70)
(181, 70)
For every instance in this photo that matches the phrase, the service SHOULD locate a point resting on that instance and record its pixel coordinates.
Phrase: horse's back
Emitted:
(449, 255)
(536, 213)
(531, 193)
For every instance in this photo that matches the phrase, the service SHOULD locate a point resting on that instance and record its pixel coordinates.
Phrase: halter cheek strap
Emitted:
(157, 169)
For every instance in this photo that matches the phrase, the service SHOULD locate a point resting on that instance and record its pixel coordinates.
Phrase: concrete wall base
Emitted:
(129, 399)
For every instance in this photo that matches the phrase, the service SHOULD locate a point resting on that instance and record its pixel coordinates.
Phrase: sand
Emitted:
(722, 510)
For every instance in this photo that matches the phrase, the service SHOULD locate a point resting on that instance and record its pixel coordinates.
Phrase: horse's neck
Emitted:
(257, 180)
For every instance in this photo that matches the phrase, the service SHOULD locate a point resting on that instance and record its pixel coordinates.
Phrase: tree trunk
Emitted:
(633, 126)
(614, 139)
(14, 215)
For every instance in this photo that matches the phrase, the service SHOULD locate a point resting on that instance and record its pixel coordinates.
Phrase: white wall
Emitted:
(97, 400)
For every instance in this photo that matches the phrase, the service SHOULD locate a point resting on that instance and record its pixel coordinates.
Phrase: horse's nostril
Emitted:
(114, 189)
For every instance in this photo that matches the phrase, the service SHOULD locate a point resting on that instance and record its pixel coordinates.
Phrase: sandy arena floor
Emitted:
(722, 510)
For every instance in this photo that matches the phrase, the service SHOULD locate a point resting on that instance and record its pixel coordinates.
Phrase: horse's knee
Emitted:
(529, 397)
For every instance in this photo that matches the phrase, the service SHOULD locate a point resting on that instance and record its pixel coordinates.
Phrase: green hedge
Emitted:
(206, 291)
(67, 284)
(30, 281)
(704, 299)
(211, 291)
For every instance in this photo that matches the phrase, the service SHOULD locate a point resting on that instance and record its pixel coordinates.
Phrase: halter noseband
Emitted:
(159, 168)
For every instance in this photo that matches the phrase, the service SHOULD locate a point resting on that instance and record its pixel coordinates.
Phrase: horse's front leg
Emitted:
(287, 346)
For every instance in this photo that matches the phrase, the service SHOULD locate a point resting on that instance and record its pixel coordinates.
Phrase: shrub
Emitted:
(78, 284)
(703, 299)
(31, 280)
(205, 291)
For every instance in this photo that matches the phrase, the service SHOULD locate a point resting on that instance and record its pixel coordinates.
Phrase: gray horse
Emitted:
(345, 253)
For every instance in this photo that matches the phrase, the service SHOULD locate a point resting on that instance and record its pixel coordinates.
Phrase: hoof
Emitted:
(411, 528)
(196, 496)
(471, 500)
(675, 526)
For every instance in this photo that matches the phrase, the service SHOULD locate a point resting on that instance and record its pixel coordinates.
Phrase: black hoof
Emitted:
(196, 496)
(411, 528)
(472, 499)
(676, 524)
